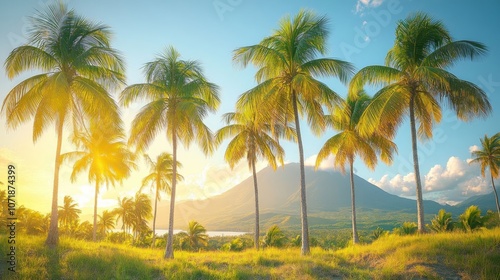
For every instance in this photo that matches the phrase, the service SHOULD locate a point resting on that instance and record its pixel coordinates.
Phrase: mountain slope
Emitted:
(328, 197)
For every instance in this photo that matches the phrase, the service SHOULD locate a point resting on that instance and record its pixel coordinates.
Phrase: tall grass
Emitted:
(431, 256)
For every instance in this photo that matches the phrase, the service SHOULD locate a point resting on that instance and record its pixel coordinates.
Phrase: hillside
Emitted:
(328, 196)
(433, 256)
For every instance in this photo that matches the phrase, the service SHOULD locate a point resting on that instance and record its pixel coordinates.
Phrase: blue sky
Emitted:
(360, 32)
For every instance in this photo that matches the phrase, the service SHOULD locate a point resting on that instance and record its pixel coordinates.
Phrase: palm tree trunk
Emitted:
(169, 252)
(420, 202)
(154, 215)
(94, 228)
(496, 196)
(53, 235)
(256, 189)
(303, 202)
(355, 238)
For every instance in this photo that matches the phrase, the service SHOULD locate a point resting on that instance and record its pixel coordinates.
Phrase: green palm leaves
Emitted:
(253, 137)
(178, 97)
(415, 80)
(69, 212)
(287, 69)
(78, 67)
(160, 179)
(442, 222)
(489, 157)
(349, 143)
(104, 154)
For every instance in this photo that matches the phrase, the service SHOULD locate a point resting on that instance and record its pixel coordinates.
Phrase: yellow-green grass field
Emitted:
(454, 255)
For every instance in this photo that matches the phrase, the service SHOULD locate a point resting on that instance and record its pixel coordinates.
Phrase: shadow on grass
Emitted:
(107, 265)
(53, 265)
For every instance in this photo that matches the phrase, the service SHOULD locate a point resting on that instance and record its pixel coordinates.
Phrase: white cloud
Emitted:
(361, 5)
(450, 184)
(473, 148)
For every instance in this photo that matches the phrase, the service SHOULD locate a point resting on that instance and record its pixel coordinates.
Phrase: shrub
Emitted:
(407, 228)
(442, 222)
(377, 233)
(275, 237)
(471, 219)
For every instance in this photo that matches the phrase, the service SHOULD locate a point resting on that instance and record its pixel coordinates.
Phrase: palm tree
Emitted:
(79, 68)
(349, 143)
(415, 79)
(471, 219)
(489, 157)
(252, 139)
(196, 235)
(287, 69)
(442, 222)
(124, 211)
(106, 222)
(159, 178)
(275, 237)
(104, 154)
(69, 211)
(179, 98)
(141, 213)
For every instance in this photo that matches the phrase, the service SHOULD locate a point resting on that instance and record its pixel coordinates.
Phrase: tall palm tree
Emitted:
(179, 97)
(415, 79)
(349, 143)
(69, 212)
(106, 222)
(104, 154)
(287, 66)
(160, 179)
(141, 213)
(489, 157)
(124, 211)
(252, 137)
(78, 67)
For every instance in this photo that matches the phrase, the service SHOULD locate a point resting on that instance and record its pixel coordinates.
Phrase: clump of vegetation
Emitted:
(275, 237)
(407, 228)
(441, 222)
(377, 233)
(471, 219)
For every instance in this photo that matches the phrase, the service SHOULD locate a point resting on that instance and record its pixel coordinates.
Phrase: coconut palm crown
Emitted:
(253, 138)
(488, 156)
(415, 80)
(287, 73)
(178, 98)
(78, 70)
(349, 143)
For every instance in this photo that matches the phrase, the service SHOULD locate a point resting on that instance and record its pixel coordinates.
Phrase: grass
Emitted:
(432, 256)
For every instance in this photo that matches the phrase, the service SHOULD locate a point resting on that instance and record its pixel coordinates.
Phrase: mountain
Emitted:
(485, 202)
(328, 198)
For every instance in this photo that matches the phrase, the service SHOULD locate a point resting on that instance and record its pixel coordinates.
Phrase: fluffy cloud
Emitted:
(450, 184)
(363, 4)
